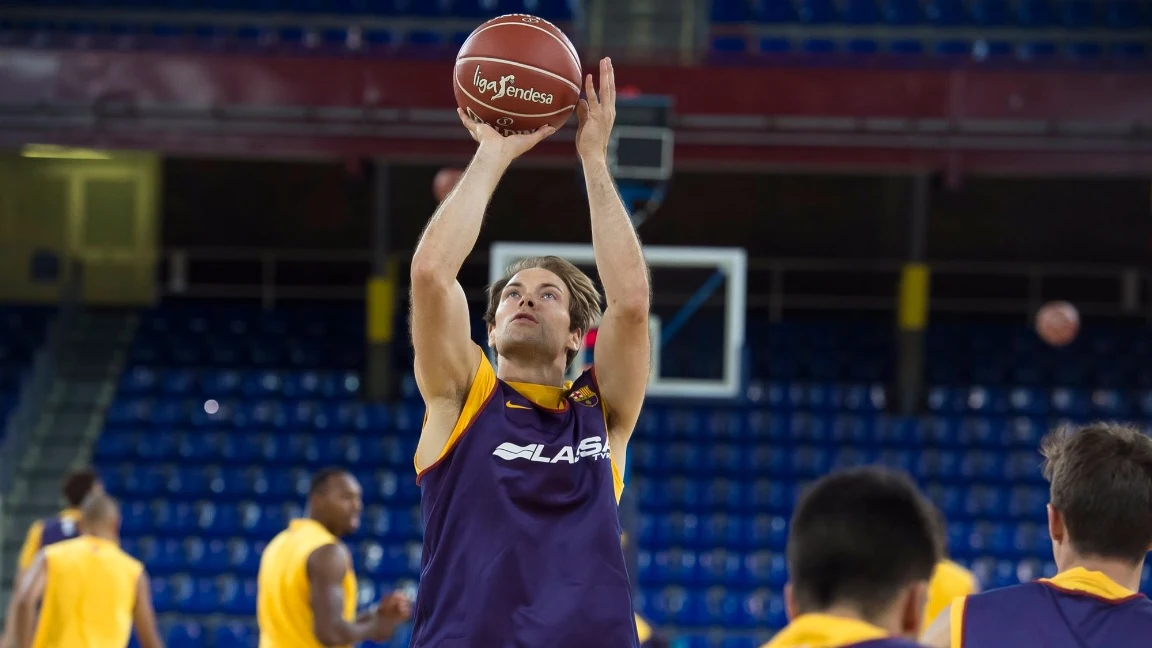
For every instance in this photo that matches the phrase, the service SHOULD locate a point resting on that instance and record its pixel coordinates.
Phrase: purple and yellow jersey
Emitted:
(1075, 609)
(521, 531)
(827, 631)
(48, 531)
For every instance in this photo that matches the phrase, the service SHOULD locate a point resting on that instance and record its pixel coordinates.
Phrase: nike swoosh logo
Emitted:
(515, 406)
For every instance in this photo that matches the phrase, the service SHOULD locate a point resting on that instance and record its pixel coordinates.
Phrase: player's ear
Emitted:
(1056, 529)
(789, 602)
(491, 336)
(574, 339)
(913, 613)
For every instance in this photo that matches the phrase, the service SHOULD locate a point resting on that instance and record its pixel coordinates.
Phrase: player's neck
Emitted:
(887, 622)
(1119, 572)
(104, 534)
(510, 370)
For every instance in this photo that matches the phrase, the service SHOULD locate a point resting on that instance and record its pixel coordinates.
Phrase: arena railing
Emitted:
(34, 395)
(775, 286)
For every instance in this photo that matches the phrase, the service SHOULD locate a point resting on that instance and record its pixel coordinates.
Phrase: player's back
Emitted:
(89, 596)
(1075, 609)
(828, 631)
(283, 606)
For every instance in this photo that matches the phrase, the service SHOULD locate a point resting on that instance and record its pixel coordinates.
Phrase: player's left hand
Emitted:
(597, 114)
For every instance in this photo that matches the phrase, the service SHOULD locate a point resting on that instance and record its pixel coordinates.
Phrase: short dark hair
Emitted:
(1100, 478)
(858, 537)
(77, 485)
(321, 478)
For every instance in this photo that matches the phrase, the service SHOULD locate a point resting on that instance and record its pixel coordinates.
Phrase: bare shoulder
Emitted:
(328, 561)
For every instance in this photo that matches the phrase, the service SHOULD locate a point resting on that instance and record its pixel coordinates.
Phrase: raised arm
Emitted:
(326, 569)
(623, 351)
(445, 357)
(28, 595)
(144, 615)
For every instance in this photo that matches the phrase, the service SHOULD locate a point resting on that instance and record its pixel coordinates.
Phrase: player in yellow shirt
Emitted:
(306, 588)
(861, 550)
(55, 528)
(86, 592)
(949, 580)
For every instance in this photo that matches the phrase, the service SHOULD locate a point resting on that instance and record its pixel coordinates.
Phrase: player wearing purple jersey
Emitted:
(1100, 520)
(861, 550)
(520, 471)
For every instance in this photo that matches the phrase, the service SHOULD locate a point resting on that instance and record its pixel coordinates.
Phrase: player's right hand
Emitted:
(505, 148)
(390, 613)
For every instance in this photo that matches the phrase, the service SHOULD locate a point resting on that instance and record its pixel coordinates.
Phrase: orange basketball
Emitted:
(517, 73)
(444, 182)
(1057, 323)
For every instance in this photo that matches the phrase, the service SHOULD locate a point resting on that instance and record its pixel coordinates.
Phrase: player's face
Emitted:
(532, 317)
(342, 502)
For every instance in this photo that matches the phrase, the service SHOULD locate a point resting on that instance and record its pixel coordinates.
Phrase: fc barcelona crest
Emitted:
(585, 396)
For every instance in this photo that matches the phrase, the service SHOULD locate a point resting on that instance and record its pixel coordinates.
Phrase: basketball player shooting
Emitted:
(520, 471)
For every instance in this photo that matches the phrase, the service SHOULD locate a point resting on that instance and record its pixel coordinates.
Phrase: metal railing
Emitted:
(34, 396)
(775, 286)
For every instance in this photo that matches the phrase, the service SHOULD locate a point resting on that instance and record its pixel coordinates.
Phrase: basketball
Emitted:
(444, 182)
(517, 73)
(1057, 323)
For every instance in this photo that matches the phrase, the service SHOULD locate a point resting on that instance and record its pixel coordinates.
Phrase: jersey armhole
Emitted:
(31, 544)
(617, 471)
(481, 391)
(956, 621)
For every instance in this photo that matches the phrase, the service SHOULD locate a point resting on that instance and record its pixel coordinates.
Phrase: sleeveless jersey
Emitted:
(521, 531)
(1076, 609)
(283, 605)
(949, 580)
(48, 531)
(827, 631)
(89, 595)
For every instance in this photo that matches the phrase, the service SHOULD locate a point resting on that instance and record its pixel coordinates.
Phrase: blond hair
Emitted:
(584, 308)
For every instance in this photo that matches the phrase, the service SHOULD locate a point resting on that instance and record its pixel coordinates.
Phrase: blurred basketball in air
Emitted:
(1057, 323)
(517, 73)
(444, 182)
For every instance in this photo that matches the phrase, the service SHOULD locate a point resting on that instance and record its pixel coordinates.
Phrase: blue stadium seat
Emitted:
(730, 11)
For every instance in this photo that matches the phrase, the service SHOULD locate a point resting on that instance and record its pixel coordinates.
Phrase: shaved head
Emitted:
(99, 512)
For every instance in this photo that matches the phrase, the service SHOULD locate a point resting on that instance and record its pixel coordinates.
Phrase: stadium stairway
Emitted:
(88, 367)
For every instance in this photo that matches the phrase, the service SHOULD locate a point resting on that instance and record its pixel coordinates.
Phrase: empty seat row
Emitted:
(218, 383)
(1072, 14)
(558, 10)
(264, 449)
(803, 461)
(244, 483)
(999, 498)
(271, 414)
(954, 49)
(381, 556)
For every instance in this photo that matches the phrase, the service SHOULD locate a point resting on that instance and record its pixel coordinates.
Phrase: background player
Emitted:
(306, 588)
(88, 591)
(861, 550)
(62, 526)
(949, 580)
(1100, 520)
(521, 472)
